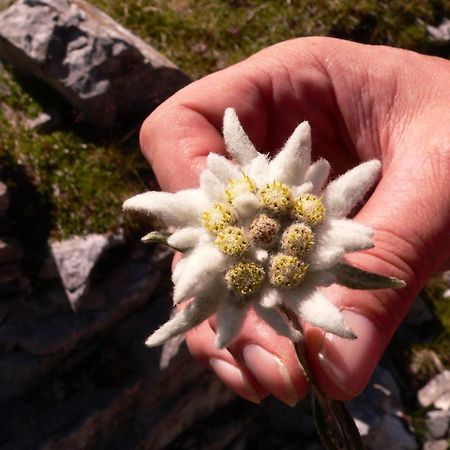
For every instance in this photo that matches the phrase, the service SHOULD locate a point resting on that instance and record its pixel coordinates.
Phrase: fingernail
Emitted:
(234, 379)
(271, 373)
(350, 363)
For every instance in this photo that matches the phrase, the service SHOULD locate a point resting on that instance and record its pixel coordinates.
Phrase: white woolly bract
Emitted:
(273, 318)
(294, 158)
(191, 316)
(236, 140)
(186, 238)
(335, 237)
(344, 193)
(181, 209)
(320, 312)
(212, 186)
(201, 271)
(246, 207)
(271, 297)
(223, 169)
(230, 317)
(317, 174)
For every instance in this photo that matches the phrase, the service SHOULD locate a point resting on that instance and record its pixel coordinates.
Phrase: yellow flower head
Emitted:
(218, 217)
(310, 209)
(275, 197)
(245, 278)
(286, 270)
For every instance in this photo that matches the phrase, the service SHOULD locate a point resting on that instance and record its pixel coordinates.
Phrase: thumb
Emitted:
(411, 220)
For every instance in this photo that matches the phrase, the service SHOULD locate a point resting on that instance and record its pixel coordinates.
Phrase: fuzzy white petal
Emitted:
(336, 237)
(246, 206)
(186, 238)
(222, 168)
(318, 174)
(273, 318)
(304, 188)
(294, 158)
(236, 140)
(178, 270)
(201, 270)
(323, 257)
(212, 186)
(293, 297)
(320, 312)
(257, 170)
(194, 314)
(270, 297)
(180, 209)
(344, 193)
(230, 317)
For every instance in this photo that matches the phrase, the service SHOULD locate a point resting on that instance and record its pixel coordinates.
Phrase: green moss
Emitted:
(84, 181)
(202, 36)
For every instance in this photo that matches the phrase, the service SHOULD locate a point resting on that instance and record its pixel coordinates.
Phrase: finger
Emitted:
(230, 370)
(271, 96)
(270, 358)
(411, 225)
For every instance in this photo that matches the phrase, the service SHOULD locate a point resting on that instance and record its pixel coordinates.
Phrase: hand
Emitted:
(362, 102)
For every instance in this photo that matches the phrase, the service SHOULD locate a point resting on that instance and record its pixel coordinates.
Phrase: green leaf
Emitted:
(355, 278)
(155, 237)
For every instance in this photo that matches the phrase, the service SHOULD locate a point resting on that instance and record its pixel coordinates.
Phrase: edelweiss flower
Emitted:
(262, 233)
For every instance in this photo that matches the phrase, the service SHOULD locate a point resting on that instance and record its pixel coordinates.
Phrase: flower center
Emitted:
(218, 217)
(309, 208)
(245, 278)
(297, 239)
(286, 270)
(264, 230)
(240, 186)
(275, 197)
(232, 241)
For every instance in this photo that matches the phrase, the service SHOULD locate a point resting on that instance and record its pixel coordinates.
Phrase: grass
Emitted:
(206, 35)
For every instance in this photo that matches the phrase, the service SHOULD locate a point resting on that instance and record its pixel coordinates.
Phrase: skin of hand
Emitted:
(362, 102)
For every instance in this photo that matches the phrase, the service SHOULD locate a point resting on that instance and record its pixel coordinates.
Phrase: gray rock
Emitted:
(10, 250)
(441, 444)
(419, 313)
(391, 433)
(437, 423)
(76, 257)
(102, 69)
(441, 32)
(377, 413)
(4, 197)
(436, 392)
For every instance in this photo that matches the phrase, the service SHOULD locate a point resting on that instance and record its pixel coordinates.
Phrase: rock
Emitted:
(76, 257)
(10, 250)
(437, 424)
(441, 32)
(436, 392)
(391, 433)
(102, 69)
(441, 444)
(9, 273)
(4, 197)
(419, 313)
(377, 414)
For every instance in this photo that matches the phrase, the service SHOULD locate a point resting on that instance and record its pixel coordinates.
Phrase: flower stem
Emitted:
(335, 426)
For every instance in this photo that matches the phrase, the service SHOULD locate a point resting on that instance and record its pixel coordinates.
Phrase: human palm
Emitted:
(362, 102)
